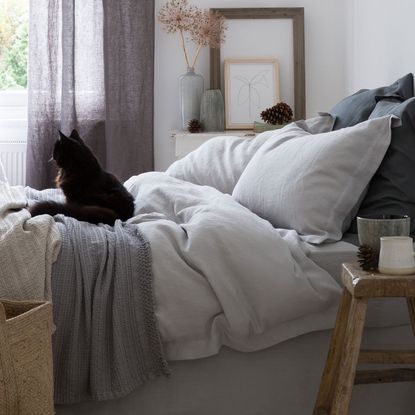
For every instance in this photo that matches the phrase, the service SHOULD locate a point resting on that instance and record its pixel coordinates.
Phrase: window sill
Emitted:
(13, 98)
(13, 116)
(13, 105)
(13, 131)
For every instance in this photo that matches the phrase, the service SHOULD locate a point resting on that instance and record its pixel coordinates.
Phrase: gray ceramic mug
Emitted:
(371, 229)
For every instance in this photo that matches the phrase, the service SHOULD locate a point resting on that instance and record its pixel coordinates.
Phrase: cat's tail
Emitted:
(92, 214)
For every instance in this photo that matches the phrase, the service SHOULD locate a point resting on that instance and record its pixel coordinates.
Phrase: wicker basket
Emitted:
(26, 370)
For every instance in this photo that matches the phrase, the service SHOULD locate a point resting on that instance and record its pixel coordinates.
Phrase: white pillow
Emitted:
(220, 161)
(312, 183)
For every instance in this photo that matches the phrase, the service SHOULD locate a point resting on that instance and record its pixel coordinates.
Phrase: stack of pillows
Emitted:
(315, 175)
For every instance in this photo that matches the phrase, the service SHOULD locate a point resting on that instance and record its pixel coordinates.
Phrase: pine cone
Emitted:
(278, 114)
(368, 258)
(194, 126)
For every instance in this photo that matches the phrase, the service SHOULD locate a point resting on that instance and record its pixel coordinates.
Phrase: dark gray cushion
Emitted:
(392, 188)
(357, 107)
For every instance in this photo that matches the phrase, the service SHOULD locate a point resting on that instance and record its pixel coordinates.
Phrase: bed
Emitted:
(282, 379)
(247, 240)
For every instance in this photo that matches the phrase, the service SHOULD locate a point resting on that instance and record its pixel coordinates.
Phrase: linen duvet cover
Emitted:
(222, 275)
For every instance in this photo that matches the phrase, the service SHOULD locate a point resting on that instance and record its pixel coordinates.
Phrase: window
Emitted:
(14, 39)
(13, 44)
(14, 22)
(14, 19)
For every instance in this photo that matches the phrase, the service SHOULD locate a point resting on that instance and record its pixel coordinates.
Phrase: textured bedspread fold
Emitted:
(28, 247)
(106, 342)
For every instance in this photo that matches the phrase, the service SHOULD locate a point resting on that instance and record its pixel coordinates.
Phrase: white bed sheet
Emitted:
(280, 380)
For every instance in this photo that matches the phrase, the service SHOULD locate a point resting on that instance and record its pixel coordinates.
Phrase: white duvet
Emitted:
(223, 275)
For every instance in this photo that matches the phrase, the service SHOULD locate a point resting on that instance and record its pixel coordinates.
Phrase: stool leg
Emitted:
(411, 308)
(328, 379)
(353, 338)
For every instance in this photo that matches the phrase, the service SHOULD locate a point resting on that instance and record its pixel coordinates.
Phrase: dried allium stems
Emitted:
(204, 27)
(176, 15)
(208, 30)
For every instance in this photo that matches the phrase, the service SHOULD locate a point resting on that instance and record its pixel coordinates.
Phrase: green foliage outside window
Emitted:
(13, 44)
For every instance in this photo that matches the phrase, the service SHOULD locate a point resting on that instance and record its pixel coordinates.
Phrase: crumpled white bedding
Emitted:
(223, 275)
(28, 247)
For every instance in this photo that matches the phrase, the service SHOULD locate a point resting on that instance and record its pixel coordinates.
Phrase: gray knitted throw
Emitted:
(106, 342)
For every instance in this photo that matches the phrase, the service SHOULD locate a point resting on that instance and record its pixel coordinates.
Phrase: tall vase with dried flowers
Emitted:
(203, 28)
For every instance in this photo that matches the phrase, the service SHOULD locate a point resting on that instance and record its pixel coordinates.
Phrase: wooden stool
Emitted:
(344, 354)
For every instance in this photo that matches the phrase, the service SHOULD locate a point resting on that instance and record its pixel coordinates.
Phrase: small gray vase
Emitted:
(212, 114)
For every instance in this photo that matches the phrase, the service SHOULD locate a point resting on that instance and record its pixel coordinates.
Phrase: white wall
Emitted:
(326, 49)
(382, 34)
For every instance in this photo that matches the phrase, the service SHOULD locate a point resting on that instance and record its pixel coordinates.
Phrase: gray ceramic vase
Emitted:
(212, 114)
(190, 94)
(371, 229)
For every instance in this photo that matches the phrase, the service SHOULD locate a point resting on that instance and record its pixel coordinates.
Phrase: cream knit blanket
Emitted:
(28, 247)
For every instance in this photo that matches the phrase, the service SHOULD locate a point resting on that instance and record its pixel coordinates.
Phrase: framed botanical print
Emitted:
(251, 85)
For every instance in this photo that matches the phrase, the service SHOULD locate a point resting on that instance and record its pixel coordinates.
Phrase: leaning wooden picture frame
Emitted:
(250, 86)
(296, 16)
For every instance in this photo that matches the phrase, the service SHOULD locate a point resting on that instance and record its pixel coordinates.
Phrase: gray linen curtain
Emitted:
(91, 66)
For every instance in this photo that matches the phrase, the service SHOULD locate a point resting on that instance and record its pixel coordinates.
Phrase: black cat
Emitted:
(92, 194)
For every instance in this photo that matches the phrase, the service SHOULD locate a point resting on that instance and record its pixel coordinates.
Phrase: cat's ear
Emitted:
(62, 136)
(75, 135)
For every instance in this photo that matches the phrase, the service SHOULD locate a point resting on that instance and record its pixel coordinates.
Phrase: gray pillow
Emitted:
(221, 160)
(357, 107)
(316, 125)
(392, 189)
(311, 183)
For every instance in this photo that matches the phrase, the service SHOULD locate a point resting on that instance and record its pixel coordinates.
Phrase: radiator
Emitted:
(13, 158)
(13, 133)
